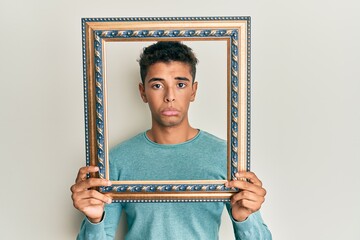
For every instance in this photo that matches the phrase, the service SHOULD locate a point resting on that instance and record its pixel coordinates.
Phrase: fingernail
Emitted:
(109, 183)
(109, 201)
(237, 174)
(96, 168)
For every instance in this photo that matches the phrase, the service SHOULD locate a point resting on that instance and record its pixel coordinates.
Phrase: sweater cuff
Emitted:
(95, 226)
(245, 225)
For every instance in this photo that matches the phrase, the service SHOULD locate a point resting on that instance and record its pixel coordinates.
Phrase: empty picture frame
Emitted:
(227, 36)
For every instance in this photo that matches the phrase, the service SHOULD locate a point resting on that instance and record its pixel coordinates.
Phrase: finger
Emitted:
(89, 183)
(88, 202)
(250, 176)
(91, 194)
(250, 205)
(83, 204)
(85, 170)
(246, 186)
(246, 195)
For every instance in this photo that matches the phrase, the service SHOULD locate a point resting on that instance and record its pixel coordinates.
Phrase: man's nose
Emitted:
(169, 96)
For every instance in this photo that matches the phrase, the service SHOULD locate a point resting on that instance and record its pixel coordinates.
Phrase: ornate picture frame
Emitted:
(235, 32)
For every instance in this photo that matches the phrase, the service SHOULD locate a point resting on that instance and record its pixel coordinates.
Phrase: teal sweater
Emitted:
(203, 157)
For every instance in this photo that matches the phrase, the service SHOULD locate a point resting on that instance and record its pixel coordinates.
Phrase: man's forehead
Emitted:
(174, 67)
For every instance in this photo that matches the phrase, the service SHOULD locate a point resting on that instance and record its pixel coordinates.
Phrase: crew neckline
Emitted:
(148, 140)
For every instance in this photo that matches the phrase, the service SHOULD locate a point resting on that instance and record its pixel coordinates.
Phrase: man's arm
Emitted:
(100, 222)
(244, 208)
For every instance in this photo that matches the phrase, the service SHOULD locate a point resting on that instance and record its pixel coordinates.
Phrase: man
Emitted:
(171, 149)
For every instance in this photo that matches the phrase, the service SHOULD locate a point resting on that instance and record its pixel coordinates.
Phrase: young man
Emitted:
(171, 149)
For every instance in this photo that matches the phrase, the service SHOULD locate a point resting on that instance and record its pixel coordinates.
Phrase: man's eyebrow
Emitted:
(155, 79)
(182, 79)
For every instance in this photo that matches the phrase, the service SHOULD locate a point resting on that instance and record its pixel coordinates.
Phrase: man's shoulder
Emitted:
(212, 139)
(211, 146)
(135, 140)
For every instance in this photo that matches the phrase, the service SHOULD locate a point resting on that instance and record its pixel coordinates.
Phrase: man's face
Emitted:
(168, 89)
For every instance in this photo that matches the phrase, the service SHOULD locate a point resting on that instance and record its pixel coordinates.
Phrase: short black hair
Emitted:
(166, 51)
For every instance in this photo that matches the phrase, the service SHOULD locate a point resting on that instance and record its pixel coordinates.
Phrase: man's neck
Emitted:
(171, 135)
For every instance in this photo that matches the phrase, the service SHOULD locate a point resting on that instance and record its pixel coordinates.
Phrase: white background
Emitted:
(305, 113)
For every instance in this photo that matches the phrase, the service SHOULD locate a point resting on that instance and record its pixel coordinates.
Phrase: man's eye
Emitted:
(181, 85)
(156, 86)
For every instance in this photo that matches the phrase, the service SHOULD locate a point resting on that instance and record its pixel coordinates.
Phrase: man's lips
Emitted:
(170, 112)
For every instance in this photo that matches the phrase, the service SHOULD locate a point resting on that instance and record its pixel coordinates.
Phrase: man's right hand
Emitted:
(87, 200)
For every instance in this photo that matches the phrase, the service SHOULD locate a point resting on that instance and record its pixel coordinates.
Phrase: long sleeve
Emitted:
(104, 230)
(252, 228)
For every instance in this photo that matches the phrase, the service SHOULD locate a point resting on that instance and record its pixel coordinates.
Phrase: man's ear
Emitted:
(194, 89)
(142, 92)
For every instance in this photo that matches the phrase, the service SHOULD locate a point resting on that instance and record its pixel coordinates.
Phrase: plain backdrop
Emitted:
(305, 113)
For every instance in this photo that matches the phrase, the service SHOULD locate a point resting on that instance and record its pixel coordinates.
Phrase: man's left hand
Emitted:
(249, 198)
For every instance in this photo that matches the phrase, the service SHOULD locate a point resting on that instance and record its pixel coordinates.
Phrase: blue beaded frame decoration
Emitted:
(236, 32)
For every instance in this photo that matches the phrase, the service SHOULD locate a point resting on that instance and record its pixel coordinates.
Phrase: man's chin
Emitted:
(170, 123)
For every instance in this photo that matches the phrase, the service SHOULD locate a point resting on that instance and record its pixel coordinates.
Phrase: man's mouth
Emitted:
(170, 112)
